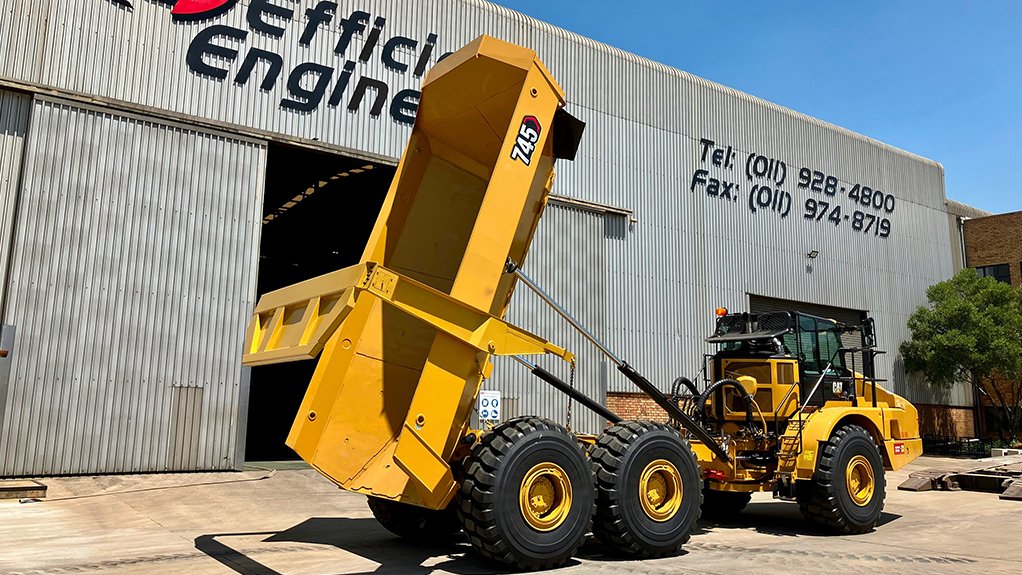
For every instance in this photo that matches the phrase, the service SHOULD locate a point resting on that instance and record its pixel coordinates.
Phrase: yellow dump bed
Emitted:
(405, 337)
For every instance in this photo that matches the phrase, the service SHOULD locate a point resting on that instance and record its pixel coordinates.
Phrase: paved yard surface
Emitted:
(295, 522)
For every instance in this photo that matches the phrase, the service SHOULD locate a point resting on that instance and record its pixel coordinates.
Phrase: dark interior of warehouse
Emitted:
(318, 213)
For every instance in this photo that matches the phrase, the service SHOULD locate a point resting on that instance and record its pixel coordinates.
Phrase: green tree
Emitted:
(971, 331)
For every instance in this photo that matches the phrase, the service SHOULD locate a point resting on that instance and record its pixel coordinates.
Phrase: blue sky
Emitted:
(939, 78)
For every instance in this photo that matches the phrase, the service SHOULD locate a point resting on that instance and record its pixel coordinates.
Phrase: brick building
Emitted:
(993, 248)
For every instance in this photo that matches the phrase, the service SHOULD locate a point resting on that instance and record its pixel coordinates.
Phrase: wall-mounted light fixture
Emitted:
(813, 254)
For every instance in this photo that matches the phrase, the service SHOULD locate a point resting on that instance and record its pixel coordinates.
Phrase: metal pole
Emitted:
(571, 392)
(512, 267)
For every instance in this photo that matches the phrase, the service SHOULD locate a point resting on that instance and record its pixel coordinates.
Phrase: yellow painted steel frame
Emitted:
(476, 328)
(405, 337)
(894, 425)
(729, 476)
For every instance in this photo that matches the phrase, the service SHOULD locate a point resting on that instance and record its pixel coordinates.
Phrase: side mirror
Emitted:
(869, 333)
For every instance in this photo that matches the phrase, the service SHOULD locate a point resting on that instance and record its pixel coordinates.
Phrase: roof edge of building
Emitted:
(965, 210)
(649, 63)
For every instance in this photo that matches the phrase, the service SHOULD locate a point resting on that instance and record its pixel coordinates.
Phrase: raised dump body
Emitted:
(406, 335)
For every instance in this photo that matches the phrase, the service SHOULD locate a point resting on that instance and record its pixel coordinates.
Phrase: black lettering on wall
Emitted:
(354, 24)
(365, 83)
(372, 40)
(342, 84)
(304, 99)
(215, 52)
(258, 8)
(427, 51)
(389, 59)
(322, 13)
(276, 64)
(405, 106)
(202, 45)
(706, 146)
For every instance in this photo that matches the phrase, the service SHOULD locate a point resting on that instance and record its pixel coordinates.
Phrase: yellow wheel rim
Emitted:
(660, 491)
(859, 480)
(545, 496)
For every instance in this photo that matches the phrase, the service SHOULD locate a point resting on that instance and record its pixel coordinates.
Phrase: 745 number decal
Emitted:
(528, 137)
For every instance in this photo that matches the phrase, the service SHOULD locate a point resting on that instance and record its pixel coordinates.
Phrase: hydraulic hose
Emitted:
(676, 386)
(746, 398)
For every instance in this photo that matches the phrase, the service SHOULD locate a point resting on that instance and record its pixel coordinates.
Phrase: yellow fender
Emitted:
(817, 427)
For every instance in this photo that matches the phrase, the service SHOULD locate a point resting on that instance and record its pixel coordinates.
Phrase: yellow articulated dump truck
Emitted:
(799, 419)
(405, 338)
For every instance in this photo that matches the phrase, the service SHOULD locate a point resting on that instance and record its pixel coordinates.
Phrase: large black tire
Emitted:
(415, 523)
(723, 504)
(828, 501)
(623, 457)
(501, 517)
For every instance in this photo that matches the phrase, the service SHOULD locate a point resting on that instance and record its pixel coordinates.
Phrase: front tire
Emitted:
(527, 496)
(649, 493)
(846, 494)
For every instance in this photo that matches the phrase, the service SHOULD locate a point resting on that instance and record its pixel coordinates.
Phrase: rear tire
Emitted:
(723, 504)
(846, 494)
(649, 490)
(415, 523)
(526, 499)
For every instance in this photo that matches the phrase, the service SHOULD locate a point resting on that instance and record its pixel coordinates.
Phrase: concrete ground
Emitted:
(292, 521)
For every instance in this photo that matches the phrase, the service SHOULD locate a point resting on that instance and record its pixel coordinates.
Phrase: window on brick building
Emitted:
(993, 419)
(1000, 272)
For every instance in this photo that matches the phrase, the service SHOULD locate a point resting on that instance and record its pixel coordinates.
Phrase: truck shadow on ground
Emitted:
(363, 537)
(783, 520)
(595, 550)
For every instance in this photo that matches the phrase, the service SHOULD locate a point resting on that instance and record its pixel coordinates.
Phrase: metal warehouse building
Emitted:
(160, 170)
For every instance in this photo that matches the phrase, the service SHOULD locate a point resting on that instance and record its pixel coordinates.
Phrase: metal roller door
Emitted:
(132, 278)
(760, 304)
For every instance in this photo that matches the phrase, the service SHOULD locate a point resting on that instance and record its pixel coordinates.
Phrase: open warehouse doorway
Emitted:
(318, 213)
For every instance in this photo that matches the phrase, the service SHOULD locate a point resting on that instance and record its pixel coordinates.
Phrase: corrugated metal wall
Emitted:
(689, 250)
(132, 280)
(14, 114)
(567, 257)
(23, 26)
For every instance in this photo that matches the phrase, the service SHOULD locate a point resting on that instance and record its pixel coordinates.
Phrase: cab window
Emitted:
(816, 345)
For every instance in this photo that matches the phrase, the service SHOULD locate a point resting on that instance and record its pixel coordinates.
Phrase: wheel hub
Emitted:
(660, 491)
(859, 480)
(545, 496)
